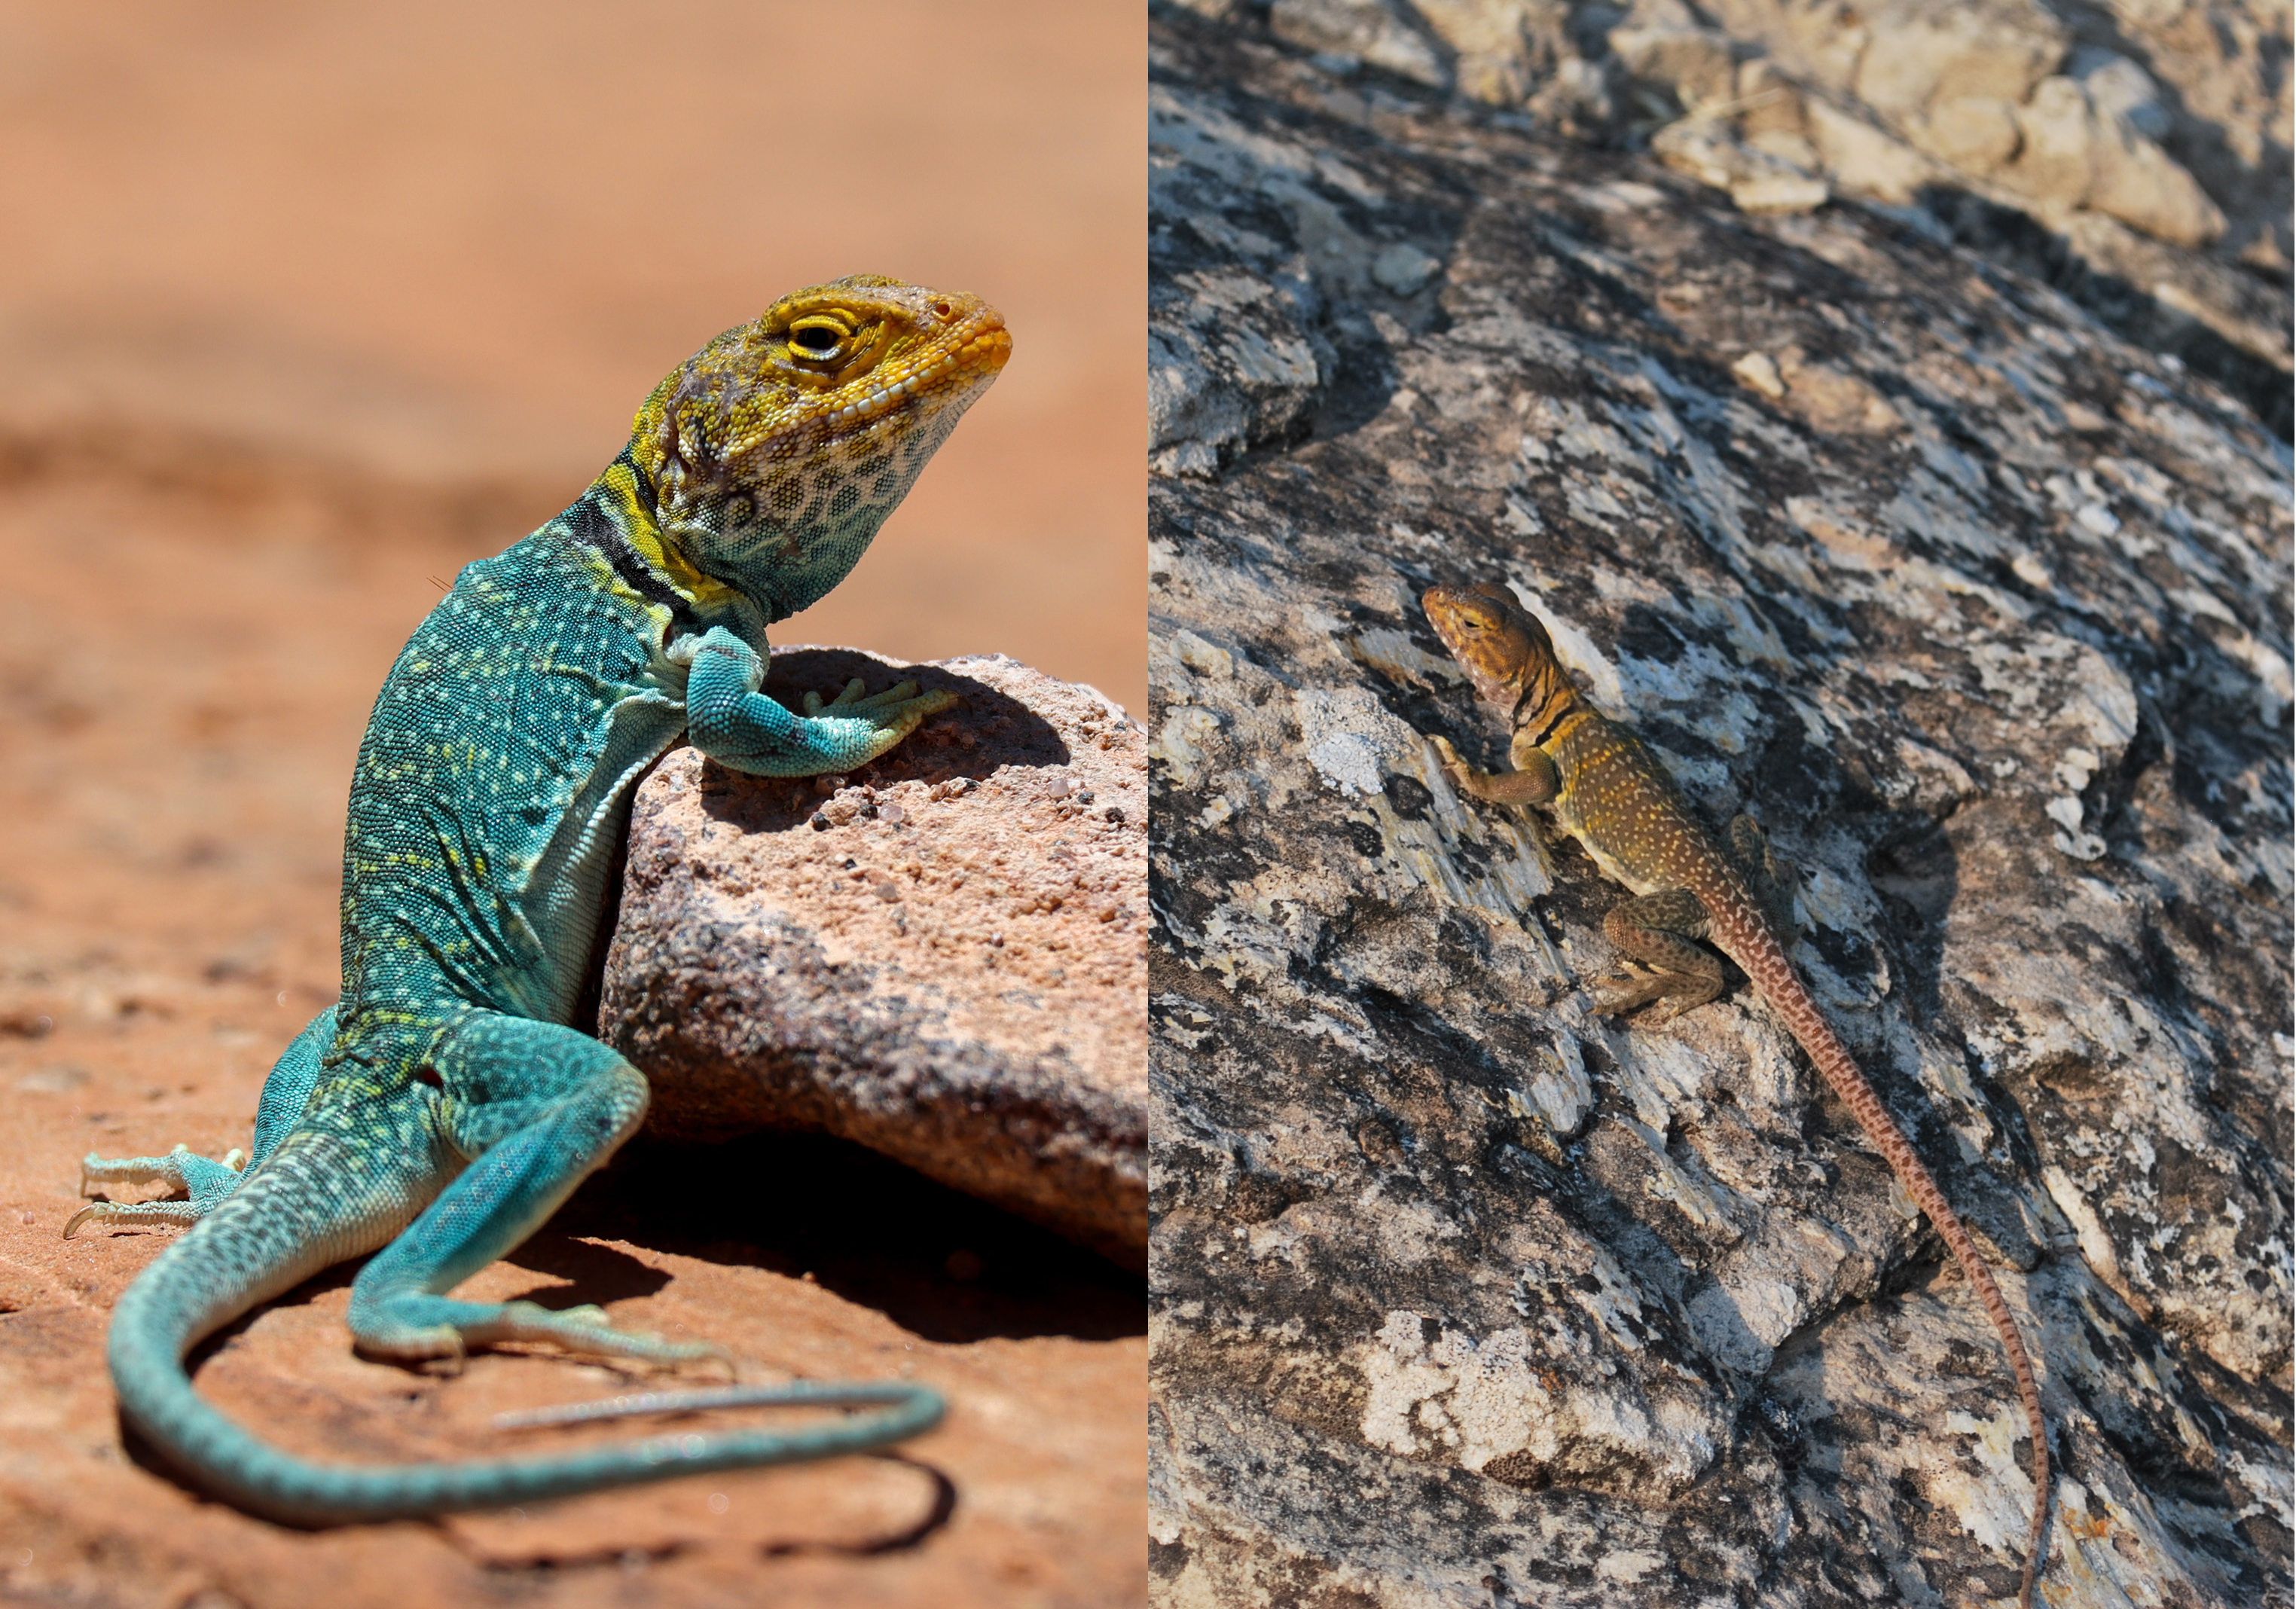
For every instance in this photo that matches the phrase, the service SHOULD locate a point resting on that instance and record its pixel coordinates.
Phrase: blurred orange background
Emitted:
(455, 243)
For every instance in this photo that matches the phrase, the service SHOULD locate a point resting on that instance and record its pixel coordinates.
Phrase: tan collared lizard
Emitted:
(1608, 790)
(443, 1108)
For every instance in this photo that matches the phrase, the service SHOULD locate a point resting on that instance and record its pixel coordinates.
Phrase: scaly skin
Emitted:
(1610, 792)
(443, 1110)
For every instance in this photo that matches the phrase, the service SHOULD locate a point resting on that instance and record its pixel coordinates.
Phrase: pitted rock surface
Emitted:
(940, 956)
(1464, 1294)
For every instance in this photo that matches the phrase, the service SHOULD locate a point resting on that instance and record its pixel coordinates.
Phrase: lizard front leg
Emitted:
(1659, 931)
(1533, 781)
(728, 719)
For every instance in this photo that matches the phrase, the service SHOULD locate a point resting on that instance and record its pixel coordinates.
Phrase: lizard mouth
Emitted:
(970, 356)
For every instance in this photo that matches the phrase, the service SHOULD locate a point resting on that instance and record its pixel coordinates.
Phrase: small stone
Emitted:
(1778, 192)
(1759, 371)
(1403, 269)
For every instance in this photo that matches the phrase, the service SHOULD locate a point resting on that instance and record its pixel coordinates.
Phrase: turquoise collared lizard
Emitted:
(1609, 793)
(443, 1108)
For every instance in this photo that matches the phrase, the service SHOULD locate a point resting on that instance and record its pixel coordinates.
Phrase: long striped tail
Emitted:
(1766, 963)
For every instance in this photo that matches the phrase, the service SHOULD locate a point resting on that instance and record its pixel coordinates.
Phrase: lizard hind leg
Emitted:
(1659, 931)
(1772, 880)
(538, 1107)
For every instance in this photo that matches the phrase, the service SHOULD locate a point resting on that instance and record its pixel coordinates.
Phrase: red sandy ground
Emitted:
(302, 308)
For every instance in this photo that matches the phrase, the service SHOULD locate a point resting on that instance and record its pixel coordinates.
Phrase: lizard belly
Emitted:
(565, 890)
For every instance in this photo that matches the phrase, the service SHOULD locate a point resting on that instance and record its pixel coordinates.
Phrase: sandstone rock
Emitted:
(2222, 71)
(2120, 87)
(2076, 154)
(2134, 180)
(1863, 160)
(1464, 1294)
(1697, 65)
(1918, 50)
(1778, 192)
(938, 958)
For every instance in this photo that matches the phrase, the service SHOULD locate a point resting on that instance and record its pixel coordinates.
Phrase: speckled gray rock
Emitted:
(1463, 1295)
(940, 956)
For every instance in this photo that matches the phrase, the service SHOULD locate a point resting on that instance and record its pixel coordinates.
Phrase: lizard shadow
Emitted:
(587, 1271)
(947, 1268)
(942, 1265)
(990, 728)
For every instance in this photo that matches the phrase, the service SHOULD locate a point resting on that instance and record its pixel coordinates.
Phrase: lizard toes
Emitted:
(166, 1213)
(922, 704)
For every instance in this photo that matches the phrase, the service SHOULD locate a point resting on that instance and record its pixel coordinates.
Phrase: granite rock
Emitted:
(1464, 1294)
(2135, 151)
(940, 956)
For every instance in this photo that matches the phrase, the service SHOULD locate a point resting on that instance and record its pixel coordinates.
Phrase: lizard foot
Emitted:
(870, 723)
(203, 1181)
(1616, 997)
(855, 700)
(893, 714)
(434, 1330)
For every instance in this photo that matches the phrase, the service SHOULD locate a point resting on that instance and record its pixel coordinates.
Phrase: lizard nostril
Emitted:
(943, 309)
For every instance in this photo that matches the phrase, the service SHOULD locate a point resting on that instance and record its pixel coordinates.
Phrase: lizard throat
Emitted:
(1547, 699)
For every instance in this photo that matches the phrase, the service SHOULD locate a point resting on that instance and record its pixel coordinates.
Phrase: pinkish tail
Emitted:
(1743, 934)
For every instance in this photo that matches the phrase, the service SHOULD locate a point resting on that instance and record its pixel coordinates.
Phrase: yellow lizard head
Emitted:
(1502, 646)
(777, 450)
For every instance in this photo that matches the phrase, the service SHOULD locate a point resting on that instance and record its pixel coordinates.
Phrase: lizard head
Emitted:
(777, 450)
(1502, 646)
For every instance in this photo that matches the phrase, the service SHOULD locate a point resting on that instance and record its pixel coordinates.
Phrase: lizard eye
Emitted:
(815, 340)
